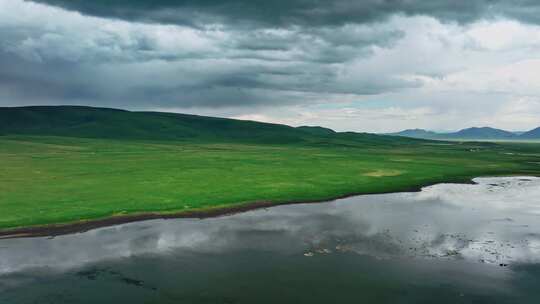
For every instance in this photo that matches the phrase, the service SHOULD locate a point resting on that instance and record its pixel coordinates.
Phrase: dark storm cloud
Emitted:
(309, 13)
(76, 59)
(37, 81)
(216, 53)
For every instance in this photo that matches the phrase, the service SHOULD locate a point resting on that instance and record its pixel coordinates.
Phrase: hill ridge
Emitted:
(110, 123)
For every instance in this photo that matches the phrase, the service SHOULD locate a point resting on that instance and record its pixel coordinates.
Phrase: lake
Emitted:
(449, 243)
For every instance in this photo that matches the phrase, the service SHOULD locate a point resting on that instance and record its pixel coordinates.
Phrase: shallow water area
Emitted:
(449, 243)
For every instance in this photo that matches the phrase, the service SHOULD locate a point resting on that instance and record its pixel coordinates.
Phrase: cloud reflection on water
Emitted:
(494, 221)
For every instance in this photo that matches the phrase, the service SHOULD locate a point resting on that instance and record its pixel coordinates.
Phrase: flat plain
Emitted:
(51, 180)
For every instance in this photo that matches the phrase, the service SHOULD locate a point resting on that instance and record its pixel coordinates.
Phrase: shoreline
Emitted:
(82, 226)
(53, 230)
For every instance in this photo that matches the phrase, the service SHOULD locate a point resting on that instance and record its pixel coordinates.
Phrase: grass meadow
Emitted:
(50, 180)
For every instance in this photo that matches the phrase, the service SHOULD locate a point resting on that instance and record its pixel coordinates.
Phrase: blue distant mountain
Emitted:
(483, 133)
(532, 134)
(417, 133)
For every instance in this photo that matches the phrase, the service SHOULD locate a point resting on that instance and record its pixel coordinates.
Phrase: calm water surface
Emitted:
(447, 244)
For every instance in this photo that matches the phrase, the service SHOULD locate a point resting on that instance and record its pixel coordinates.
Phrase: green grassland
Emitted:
(51, 178)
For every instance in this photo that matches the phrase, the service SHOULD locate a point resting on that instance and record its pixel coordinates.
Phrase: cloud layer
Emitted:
(351, 65)
(306, 13)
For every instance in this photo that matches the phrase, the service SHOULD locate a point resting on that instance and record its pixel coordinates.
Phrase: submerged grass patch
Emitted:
(46, 180)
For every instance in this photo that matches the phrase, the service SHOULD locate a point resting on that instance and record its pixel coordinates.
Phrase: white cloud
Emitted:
(504, 35)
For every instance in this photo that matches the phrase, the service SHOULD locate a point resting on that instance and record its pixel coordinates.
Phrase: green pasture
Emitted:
(47, 179)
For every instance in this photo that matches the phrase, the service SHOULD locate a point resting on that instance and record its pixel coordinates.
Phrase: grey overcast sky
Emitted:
(360, 65)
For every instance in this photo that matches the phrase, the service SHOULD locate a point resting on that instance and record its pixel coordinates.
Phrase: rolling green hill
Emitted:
(88, 122)
(74, 121)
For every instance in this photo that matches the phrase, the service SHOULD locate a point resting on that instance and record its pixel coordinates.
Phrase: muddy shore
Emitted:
(86, 225)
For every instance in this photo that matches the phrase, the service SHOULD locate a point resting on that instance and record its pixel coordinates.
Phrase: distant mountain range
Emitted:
(484, 133)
